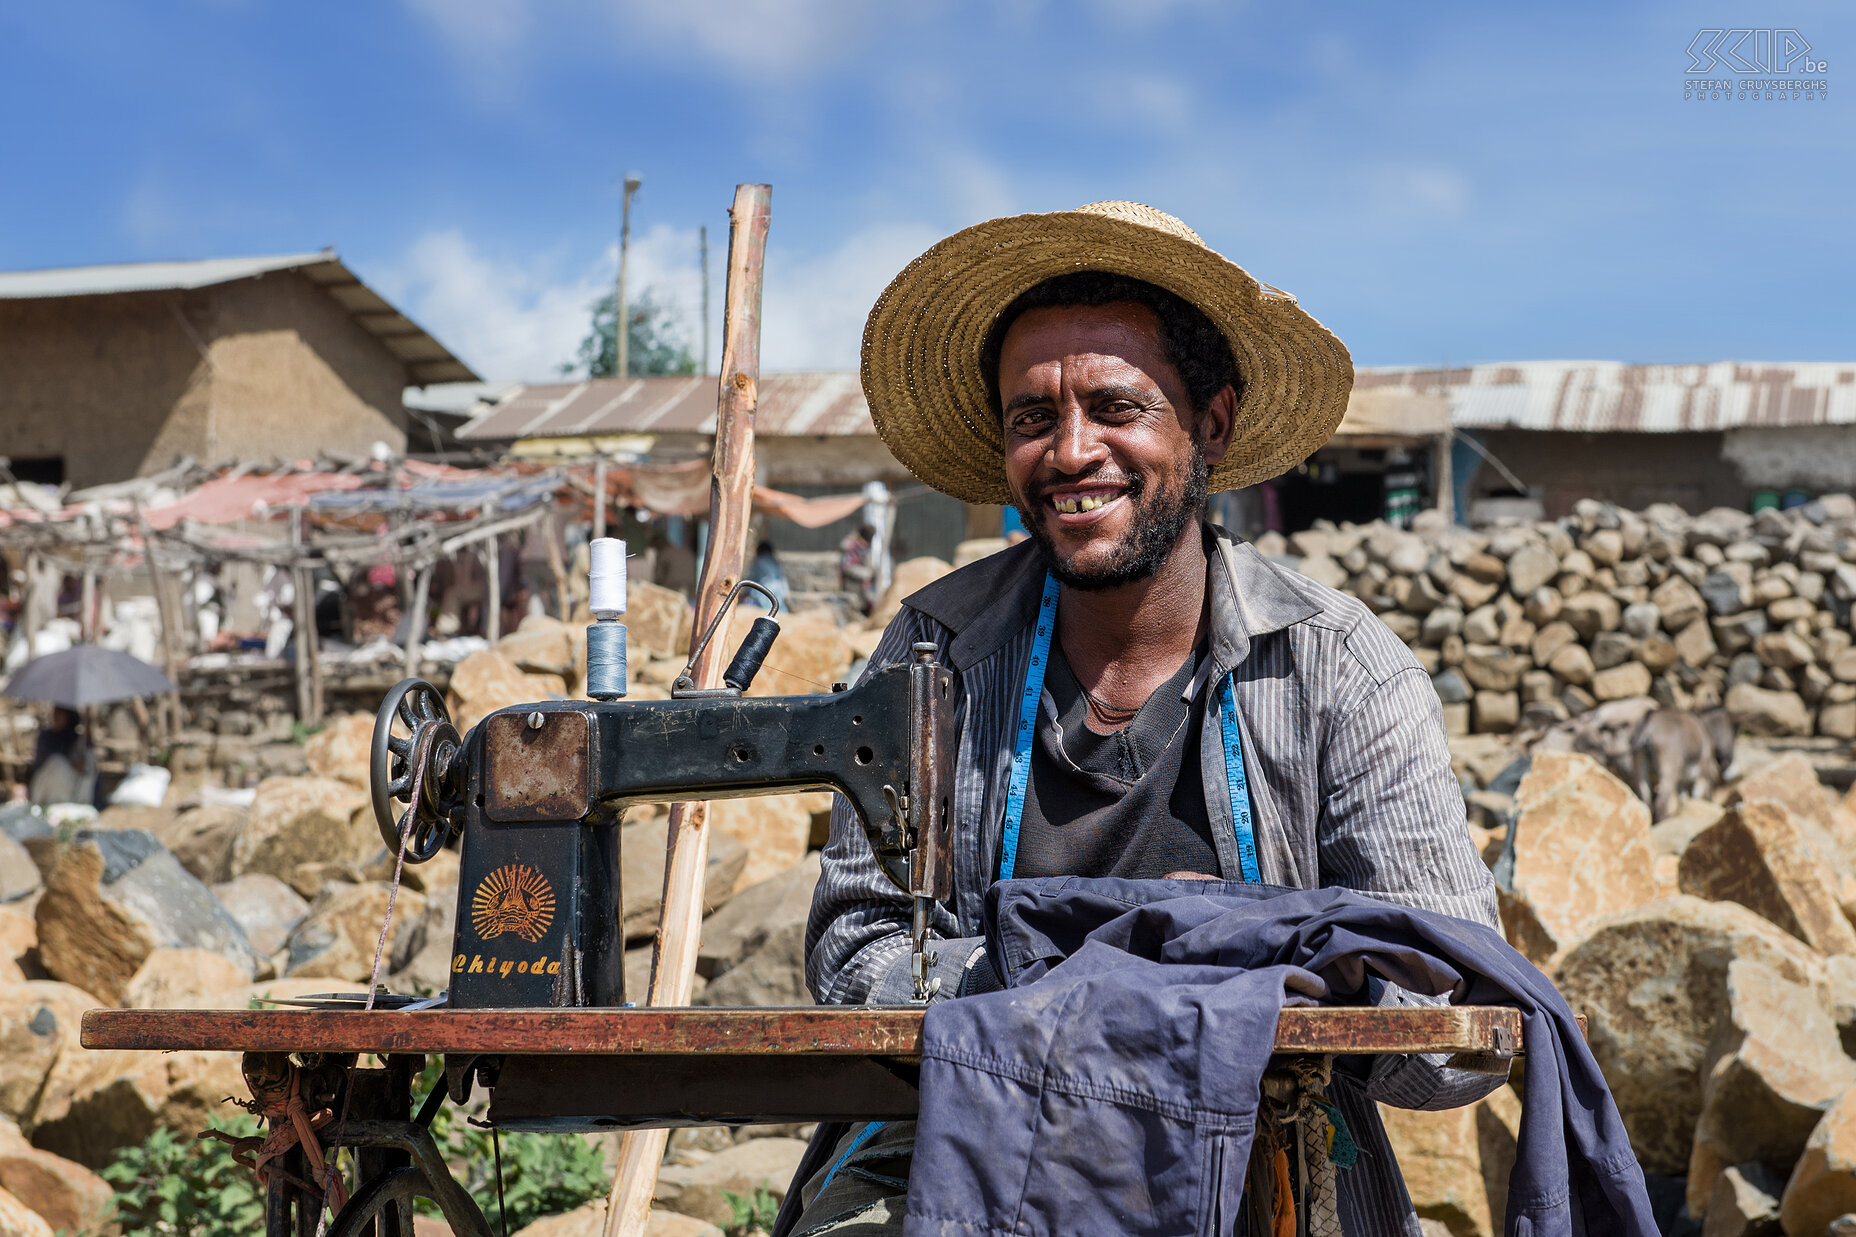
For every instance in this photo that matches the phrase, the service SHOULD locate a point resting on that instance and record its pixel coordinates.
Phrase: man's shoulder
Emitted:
(1332, 616)
(966, 595)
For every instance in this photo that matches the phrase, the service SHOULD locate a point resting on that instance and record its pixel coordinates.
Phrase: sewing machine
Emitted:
(536, 1011)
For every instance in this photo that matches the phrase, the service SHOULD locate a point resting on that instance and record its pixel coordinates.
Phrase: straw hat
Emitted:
(921, 355)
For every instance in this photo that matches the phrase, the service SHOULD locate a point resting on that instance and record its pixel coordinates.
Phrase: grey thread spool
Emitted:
(605, 660)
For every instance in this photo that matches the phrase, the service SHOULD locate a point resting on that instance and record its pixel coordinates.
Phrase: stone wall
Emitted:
(1528, 625)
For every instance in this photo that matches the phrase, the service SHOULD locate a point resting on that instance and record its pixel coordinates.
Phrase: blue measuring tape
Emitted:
(1033, 695)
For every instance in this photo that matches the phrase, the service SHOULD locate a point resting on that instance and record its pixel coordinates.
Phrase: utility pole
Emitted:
(703, 232)
(622, 367)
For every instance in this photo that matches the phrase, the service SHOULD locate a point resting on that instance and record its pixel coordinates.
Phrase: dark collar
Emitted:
(987, 603)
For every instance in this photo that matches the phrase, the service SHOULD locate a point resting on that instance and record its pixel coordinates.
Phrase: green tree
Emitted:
(654, 336)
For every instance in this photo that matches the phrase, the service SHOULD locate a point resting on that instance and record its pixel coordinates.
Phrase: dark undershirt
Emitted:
(1128, 804)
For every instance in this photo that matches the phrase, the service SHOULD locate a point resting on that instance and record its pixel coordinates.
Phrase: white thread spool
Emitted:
(606, 579)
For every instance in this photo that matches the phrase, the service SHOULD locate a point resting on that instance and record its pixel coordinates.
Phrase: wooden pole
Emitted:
(679, 930)
(599, 498)
(493, 590)
(165, 606)
(87, 625)
(299, 606)
(415, 620)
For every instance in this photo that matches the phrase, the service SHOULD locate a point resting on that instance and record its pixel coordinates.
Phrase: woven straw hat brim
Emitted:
(921, 348)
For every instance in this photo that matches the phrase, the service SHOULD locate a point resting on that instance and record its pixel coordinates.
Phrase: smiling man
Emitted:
(1141, 694)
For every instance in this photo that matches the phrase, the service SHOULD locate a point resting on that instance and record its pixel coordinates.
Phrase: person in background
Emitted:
(856, 575)
(63, 769)
(766, 571)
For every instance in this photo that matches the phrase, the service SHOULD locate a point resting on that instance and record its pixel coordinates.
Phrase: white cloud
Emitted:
(479, 29)
(767, 35)
(784, 37)
(506, 320)
(1420, 190)
(519, 320)
(815, 307)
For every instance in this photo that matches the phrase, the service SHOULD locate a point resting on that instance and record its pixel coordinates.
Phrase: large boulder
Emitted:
(1758, 855)
(38, 1021)
(1652, 983)
(774, 974)
(1579, 851)
(65, 1194)
(19, 937)
(266, 908)
(19, 1220)
(115, 897)
(906, 578)
(341, 749)
(701, 1190)
(1792, 780)
(201, 838)
(1456, 1163)
(421, 958)
(643, 847)
(775, 831)
(657, 620)
(338, 937)
(96, 1102)
(1769, 714)
(1775, 1066)
(295, 821)
(487, 681)
(19, 876)
(543, 645)
(1823, 1181)
(743, 926)
(169, 978)
(1745, 1203)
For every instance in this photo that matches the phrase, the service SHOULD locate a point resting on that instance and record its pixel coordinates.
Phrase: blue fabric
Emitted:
(1112, 1087)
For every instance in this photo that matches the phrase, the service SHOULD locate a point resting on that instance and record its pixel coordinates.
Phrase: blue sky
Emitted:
(1439, 184)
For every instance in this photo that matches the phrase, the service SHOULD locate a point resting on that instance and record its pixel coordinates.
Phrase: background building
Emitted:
(116, 371)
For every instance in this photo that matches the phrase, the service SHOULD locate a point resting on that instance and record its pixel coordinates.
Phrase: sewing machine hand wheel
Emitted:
(412, 768)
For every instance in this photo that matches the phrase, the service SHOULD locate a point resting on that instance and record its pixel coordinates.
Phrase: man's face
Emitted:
(1105, 458)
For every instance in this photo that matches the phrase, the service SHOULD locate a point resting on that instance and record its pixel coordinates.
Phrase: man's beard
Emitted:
(1158, 521)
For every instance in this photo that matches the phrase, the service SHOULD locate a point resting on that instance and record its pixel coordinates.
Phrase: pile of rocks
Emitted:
(1714, 957)
(1533, 623)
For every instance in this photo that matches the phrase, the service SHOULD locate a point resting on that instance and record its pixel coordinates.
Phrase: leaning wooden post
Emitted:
(679, 930)
(493, 590)
(301, 617)
(165, 606)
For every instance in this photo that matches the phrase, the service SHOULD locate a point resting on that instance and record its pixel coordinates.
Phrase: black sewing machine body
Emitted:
(537, 792)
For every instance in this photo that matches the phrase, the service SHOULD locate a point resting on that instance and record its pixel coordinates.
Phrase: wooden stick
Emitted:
(493, 590)
(679, 930)
(164, 607)
(299, 606)
(415, 622)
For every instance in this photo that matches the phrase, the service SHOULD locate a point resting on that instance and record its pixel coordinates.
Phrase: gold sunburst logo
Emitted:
(514, 898)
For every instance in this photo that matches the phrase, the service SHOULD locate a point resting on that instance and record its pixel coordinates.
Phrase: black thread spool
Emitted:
(751, 654)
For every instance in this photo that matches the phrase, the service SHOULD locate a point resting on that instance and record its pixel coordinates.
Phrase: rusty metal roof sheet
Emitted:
(1609, 396)
(426, 360)
(1571, 396)
(791, 406)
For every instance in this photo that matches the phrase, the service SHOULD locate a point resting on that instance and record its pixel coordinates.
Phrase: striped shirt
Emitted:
(1349, 777)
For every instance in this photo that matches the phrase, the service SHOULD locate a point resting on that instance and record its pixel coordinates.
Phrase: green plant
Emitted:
(176, 1186)
(754, 1214)
(543, 1174)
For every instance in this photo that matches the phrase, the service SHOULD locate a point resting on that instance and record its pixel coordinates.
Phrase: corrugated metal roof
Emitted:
(791, 406)
(426, 360)
(1573, 396)
(1609, 396)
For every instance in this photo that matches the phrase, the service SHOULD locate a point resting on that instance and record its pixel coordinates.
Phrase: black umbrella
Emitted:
(85, 675)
